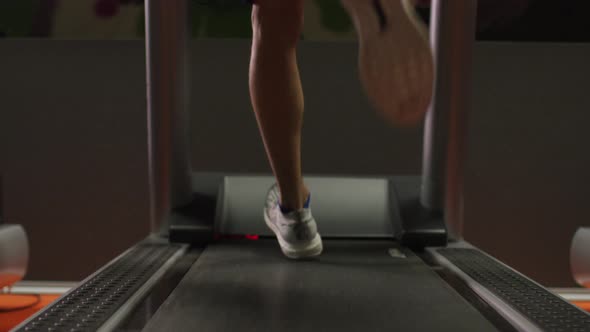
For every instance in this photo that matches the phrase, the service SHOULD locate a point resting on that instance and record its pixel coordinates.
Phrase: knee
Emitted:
(277, 21)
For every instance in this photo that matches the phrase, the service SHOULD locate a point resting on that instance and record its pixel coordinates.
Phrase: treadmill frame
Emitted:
(441, 194)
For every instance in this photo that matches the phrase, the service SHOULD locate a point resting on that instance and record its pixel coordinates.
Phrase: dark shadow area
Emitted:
(530, 20)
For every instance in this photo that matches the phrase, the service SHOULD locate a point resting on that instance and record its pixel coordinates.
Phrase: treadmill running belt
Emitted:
(354, 286)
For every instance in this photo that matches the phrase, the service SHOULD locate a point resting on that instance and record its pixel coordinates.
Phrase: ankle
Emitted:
(290, 203)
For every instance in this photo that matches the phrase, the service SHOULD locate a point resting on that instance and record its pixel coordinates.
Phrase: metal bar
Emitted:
(166, 28)
(515, 318)
(452, 33)
(126, 309)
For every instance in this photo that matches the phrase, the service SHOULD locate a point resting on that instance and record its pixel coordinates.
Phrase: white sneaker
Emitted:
(296, 231)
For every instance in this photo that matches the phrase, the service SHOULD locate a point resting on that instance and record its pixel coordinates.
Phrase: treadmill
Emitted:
(394, 258)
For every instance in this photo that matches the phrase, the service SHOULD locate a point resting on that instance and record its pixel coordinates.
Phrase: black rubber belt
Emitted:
(92, 303)
(545, 309)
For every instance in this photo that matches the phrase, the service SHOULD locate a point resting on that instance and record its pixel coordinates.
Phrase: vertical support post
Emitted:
(166, 29)
(452, 31)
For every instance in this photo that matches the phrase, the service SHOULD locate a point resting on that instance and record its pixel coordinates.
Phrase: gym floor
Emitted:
(16, 308)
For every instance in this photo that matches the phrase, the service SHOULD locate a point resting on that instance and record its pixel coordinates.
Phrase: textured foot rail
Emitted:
(544, 308)
(91, 304)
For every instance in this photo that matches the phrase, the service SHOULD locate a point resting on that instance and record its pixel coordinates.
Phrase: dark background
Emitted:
(498, 20)
(530, 20)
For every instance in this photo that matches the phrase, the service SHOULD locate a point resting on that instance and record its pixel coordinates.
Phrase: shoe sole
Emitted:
(395, 60)
(313, 249)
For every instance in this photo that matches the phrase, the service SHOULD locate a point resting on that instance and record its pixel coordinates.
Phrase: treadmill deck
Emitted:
(354, 286)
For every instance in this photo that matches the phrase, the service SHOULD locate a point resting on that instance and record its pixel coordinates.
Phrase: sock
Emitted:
(285, 210)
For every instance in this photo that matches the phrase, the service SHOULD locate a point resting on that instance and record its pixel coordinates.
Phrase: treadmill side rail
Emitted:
(525, 304)
(106, 295)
